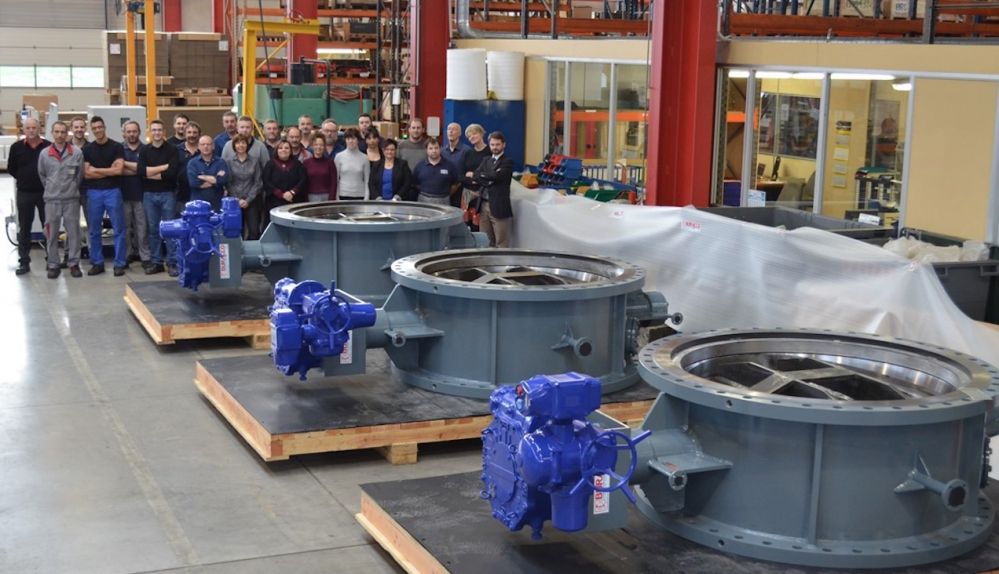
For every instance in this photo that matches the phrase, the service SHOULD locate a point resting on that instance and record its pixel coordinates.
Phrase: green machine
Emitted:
(285, 103)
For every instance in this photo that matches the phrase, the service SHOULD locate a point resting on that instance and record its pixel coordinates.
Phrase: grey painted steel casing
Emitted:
(302, 242)
(816, 481)
(468, 338)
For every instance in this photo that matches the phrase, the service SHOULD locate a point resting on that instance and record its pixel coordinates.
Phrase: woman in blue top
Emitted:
(390, 177)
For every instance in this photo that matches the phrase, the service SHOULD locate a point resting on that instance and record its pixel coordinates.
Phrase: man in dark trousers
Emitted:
(136, 234)
(22, 164)
(158, 163)
(494, 175)
(104, 162)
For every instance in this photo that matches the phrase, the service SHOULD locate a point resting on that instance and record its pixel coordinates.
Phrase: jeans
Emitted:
(27, 205)
(99, 201)
(159, 205)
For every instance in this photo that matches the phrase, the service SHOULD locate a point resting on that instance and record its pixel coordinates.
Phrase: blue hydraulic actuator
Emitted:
(542, 460)
(310, 323)
(198, 235)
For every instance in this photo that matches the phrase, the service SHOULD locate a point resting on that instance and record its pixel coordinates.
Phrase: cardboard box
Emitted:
(387, 129)
(162, 82)
(39, 101)
(208, 100)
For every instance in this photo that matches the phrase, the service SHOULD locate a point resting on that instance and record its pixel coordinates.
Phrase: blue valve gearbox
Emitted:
(541, 458)
(197, 235)
(309, 323)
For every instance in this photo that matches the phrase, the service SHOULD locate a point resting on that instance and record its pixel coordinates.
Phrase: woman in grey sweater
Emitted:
(352, 168)
(245, 182)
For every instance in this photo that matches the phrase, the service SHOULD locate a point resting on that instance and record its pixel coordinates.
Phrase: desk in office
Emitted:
(771, 187)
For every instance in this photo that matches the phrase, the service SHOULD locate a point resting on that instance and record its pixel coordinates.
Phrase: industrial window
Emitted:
(51, 77)
(17, 76)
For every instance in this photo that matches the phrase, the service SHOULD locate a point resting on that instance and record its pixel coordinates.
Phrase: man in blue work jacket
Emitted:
(206, 174)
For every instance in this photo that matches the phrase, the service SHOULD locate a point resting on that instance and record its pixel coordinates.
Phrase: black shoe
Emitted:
(23, 269)
(154, 268)
(119, 271)
(95, 270)
(75, 271)
(172, 270)
(132, 258)
(53, 272)
(147, 264)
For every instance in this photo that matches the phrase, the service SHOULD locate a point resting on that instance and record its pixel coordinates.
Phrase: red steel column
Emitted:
(431, 24)
(218, 17)
(682, 96)
(172, 19)
(302, 46)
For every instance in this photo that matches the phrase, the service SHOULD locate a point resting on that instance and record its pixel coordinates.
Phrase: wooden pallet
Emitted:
(440, 524)
(256, 332)
(394, 539)
(280, 417)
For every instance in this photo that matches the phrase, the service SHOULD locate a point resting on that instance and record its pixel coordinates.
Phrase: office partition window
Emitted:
(598, 111)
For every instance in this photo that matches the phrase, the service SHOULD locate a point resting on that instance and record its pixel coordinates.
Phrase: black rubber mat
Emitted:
(284, 404)
(171, 304)
(446, 515)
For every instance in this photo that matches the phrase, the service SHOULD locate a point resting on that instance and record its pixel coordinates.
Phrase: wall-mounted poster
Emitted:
(799, 126)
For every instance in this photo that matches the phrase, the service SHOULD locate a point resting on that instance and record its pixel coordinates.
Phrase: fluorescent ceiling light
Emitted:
(902, 87)
(768, 75)
(861, 76)
(807, 75)
(738, 73)
(339, 52)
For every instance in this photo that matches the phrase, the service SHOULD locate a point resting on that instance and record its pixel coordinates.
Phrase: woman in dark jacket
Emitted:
(285, 180)
(390, 177)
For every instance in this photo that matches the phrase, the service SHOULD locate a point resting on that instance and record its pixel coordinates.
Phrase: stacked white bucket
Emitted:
(473, 73)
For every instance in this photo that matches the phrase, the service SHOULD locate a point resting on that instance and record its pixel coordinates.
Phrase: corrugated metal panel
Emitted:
(55, 13)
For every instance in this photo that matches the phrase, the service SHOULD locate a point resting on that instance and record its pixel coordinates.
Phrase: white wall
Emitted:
(79, 47)
(46, 46)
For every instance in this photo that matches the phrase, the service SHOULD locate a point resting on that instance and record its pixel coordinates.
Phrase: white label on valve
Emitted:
(346, 355)
(224, 261)
(601, 500)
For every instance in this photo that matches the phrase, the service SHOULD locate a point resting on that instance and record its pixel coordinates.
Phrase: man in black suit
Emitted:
(494, 175)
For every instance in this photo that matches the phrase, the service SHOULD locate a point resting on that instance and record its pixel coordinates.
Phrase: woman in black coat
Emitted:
(285, 179)
(394, 167)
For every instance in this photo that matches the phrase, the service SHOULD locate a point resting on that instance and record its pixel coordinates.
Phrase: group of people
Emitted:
(137, 185)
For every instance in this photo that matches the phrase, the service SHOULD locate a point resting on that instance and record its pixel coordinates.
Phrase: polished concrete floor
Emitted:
(111, 461)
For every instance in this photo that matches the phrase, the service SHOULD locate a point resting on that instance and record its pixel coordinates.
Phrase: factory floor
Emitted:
(112, 462)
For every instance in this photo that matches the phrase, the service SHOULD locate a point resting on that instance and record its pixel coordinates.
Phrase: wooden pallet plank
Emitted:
(381, 436)
(406, 551)
(244, 329)
(252, 432)
(159, 335)
(321, 415)
(404, 453)
(256, 332)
